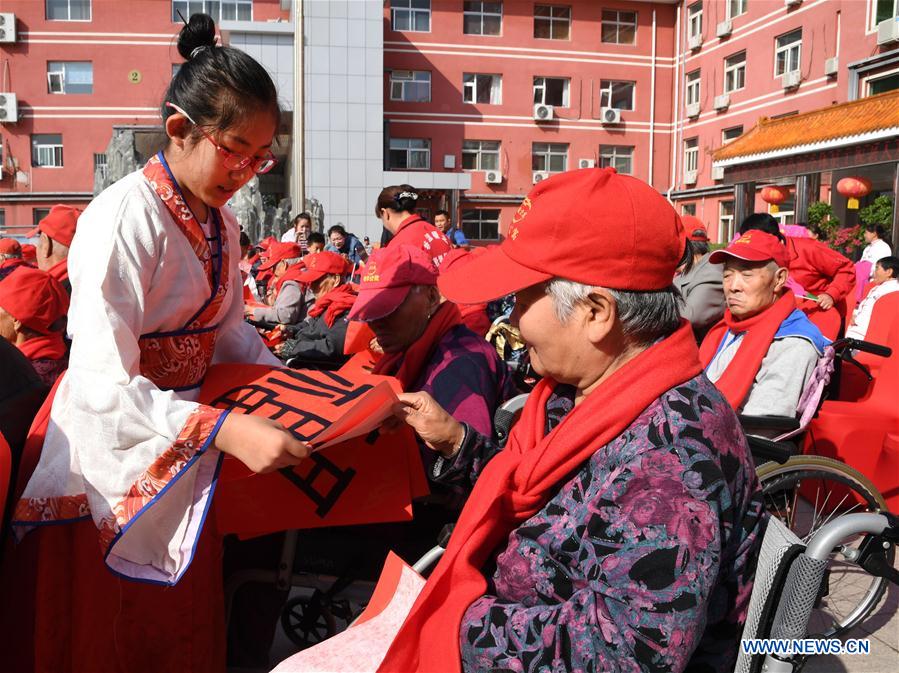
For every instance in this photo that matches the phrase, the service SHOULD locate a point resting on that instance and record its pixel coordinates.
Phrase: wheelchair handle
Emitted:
(864, 346)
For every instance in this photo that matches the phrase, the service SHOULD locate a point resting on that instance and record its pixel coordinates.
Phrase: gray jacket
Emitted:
(703, 295)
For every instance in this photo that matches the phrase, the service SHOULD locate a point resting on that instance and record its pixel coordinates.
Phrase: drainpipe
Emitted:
(676, 130)
(652, 103)
(298, 154)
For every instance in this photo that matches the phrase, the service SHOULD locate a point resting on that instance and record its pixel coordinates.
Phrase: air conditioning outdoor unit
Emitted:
(693, 110)
(493, 177)
(717, 172)
(543, 113)
(791, 79)
(540, 175)
(689, 177)
(831, 66)
(724, 28)
(888, 31)
(9, 109)
(586, 163)
(610, 115)
(792, 3)
(694, 42)
(7, 27)
(722, 102)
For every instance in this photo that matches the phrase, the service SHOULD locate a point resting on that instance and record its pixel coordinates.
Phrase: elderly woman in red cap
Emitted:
(56, 232)
(286, 296)
(617, 529)
(699, 282)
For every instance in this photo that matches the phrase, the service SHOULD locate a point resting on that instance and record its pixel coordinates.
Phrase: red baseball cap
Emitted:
(319, 264)
(697, 230)
(29, 253)
(387, 278)
(34, 298)
(59, 224)
(591, 226)
(753, 246)
(278, 252)
(10, 246)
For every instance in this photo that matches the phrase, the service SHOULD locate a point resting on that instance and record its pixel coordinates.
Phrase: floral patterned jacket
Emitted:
(643, 560)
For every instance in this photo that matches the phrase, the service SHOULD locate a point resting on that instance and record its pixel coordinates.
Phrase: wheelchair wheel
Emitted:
(805, 493)
(307, 620)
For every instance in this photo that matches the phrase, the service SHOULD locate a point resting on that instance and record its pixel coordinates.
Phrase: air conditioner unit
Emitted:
(610, 115)
(493, 177)
(543, 113)
(717, 172)
(586, 163)
(689, 177)
(790, 80)
(722, 102)
(724, 28)
(888, 31)
(540, 175)
(693, 110)
(694, 42)
(831, 66)
(792, 3)
(7, 27)
(9, 109)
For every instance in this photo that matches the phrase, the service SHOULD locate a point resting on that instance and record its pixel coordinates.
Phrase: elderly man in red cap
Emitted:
(286, 295)
(764, 350)
(33, 307)
(620, 523)
(56, 232)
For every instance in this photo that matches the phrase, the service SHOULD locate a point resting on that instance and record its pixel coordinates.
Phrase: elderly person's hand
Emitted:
(438, 430)
(825, 301)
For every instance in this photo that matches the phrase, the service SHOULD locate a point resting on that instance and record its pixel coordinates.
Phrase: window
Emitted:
(482, 18)
(38, 214)
(884, 10)
(100, 167)
(725, 220)
(688, 209)
(411, 15)
(2, 217)
(619, 95)
(691, 154)
(68, 10)
(481, 224)
(551, 91)
(411, 86)
(480, 155)
(735, 72)
(552, 22)
(478, 88)
(732, 133)
(619, 27)
(787, 52)
(691, 88)
(550, 157)
(878, 85)
(219, 10)
(70, 77)
(619, 157)
(694, 19)
(410, 153)
(735, 8)
(46, 150)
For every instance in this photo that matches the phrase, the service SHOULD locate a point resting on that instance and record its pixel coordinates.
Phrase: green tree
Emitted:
(880, 212)
(820, 214)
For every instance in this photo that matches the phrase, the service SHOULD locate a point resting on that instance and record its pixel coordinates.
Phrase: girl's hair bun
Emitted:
(197, 35)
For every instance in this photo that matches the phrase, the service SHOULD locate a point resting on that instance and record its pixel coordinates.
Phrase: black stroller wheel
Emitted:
(307, 620)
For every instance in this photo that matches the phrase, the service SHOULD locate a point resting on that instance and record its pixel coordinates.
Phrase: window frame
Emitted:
(409, 150)
(691, 154)
(38, 214)
(472, 87)
(553, 20)
(481, 221)
(412, 12)
(480, 153)
(551, 151)
(55, 148)
(566, 91)
(693, 84)
(411, 80)
(894, 13)
(725, 140)
(207, 9)
(63, 80)
(618, 23)
(737, 69)
(101, 164)
(786, 49)
(482, 13)
(694, 17)
(612, 82)
(726, 219)
(612, 155)
(90, 11)
(742, 5)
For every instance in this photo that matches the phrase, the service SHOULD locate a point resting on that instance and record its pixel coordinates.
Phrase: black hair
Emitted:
(762, 222)
(876, 229)
(700, 247)
(303, 216)
(442, 212)
(217, 86)
(244, 239)
(338, 228)
(316, 237)
(890, 264)
(401, 198)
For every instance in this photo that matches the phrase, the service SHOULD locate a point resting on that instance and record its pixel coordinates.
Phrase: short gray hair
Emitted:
(645, 315)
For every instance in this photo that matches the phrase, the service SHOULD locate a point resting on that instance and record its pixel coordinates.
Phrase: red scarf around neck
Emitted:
(334, 303)
(408, 364)
(760, 329)
(44, 347)
(518, 482)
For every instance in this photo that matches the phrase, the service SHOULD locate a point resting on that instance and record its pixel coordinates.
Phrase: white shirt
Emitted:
(874, 252)
(861, 318)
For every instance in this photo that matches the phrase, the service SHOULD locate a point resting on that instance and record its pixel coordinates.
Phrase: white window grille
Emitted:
(68, 10)
(552, 22)
(411, 15)
(551, 91)
(410, 153)
(482, 18)
(480, 88)
(692, 88)
(619, 157)
(788, 52)
(549, 157)
(101, 167)
(735, 8)
(619, 27)
(730, 134)
(219, 10)
(481, 224)
(46, 150)
(735, 72)
(616, 94)
(694, 19)
(411, 86)
(70, 77)
(691, 155)
(480, 155)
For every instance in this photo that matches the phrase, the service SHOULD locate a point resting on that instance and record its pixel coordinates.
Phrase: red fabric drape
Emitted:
(334, 303)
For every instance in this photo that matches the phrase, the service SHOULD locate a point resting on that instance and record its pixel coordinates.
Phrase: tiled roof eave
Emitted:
(830, 143)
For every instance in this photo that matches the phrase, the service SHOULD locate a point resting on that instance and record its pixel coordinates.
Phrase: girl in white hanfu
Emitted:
(130, 460)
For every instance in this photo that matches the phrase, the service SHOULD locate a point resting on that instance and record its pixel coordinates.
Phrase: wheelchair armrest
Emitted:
(767, 449)
(785, 423)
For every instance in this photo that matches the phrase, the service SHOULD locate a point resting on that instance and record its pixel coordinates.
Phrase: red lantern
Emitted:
(853, 189)
(774, 195)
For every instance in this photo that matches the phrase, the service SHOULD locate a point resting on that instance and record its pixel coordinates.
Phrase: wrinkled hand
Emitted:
(263, 445)
(438, 430)
(825, 301)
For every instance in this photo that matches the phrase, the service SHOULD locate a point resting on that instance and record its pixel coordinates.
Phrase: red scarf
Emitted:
(518, 482)
(44, 347)
(60, 271)
(334, 303)
(760, 329)
(408, 364)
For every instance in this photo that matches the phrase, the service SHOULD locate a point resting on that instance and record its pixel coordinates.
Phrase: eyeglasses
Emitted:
(232, 160)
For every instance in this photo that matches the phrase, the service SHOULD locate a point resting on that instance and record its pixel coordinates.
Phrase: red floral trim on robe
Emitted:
(193, 436)
(60, 508)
